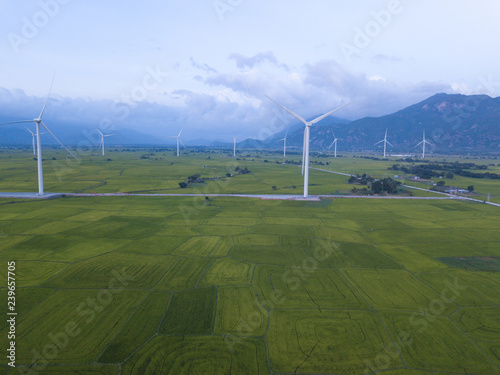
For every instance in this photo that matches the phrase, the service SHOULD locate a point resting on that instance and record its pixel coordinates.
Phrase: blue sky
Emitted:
(206, 66)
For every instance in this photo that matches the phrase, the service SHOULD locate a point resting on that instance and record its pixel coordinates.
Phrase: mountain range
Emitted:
(452, 123)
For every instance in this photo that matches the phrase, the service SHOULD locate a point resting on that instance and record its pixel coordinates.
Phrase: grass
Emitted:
(198, 355)
(190, 312)
(173, 285)
(325, 342)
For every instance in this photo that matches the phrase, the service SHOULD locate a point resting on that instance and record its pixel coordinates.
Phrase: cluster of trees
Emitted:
(242, 170)
(360, 180)
(194, 179)
(386, 185)
(427, 171)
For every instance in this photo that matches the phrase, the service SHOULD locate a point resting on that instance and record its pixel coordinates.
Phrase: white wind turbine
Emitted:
(305, 155)
(423, 142)
(386, 142)
(234, 147)
(178, 137)
(101, 145)
(32, 140)
(284, 143)
(38, 122)
(334, 143)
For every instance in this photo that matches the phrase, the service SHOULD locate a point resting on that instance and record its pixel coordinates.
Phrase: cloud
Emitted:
(236, 100)
(205, 67)
(243, 62)
(380, 58)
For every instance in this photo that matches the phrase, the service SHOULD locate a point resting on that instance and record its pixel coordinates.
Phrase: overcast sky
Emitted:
(206, 65)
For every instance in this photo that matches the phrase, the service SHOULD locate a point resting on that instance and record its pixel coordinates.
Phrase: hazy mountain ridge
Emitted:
(452, 122)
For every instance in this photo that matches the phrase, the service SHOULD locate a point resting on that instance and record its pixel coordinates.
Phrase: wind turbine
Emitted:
(32, 140)
(102, 140)
(423, 142)
(178, 137)
(284, 143)
(234, 147)
(334, 143)
(38, 122)
(305, 155)
(385, 142)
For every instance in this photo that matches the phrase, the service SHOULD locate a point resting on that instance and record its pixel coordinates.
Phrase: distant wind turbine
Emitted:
(32, 140)
(386, 142)
(234, 147)
(178, 137)
(334, 143)
(308, 125)
(423, 142)
(38, 122)
(284, 143)
(101, 145)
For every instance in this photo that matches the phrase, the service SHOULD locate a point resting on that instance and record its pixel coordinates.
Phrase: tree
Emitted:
(441, 183)
(449, 175)
(470, 188)
(183, 185)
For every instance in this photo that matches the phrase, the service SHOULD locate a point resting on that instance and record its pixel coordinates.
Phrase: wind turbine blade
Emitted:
(109, 135)
(29, 131)
(298, 117)
(18, 122)
(46, 128)
(182, 143)
(286, 133)
(379, 142)
(332, 144)
(318, 119)
(389, 143)
(180, 133)
(46, 100)
(99, 132)
(418, 144)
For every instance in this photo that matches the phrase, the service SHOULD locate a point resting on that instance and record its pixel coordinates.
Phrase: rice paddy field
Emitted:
(159, 171)
(184, 285)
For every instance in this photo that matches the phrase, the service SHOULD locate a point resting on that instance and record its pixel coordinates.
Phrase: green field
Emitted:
(158, 171)
(177, 285)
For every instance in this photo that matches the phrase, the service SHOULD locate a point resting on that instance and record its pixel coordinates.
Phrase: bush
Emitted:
(183, 185)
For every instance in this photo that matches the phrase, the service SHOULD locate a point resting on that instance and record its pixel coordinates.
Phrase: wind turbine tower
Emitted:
(423, 142)
(308, 125)
(284, 143)
(334, 143)
(33, 136)
(234, 147)
(102, 140)
(38, 122)
(386, 142)
(178, 137)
